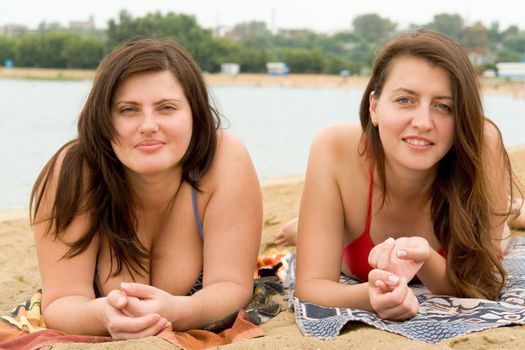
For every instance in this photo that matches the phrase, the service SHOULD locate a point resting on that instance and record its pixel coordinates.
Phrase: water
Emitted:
(276, 124)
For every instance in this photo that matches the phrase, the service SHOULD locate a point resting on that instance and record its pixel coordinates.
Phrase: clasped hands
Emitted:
(134, 311)
(395, 263)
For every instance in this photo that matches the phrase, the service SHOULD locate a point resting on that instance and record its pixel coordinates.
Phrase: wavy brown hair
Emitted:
(460, 207)
(92, 180)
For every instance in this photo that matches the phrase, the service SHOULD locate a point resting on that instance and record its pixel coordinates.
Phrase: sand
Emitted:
(492, 86)
(19, 278)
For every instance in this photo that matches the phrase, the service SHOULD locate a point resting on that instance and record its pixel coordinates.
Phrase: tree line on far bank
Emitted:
(252, 44)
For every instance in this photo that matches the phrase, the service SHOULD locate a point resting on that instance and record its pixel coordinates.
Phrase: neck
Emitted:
(155, 192)
(409, 186)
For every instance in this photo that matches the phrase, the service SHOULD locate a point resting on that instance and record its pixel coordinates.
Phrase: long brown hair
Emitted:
(92, 180)
(460, 207)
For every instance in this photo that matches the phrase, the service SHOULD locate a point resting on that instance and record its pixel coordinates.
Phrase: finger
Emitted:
(135, 307)
(399, 305)
(139, 290)
(416, 254)
(387, 285)
(383, 261)
(117, 299)
(385, 276)
(383, 287)
(145, 332)
(123, 325)
(382, 282)
(397, 296)
(407, 310)
(415, 305)
(373, 256)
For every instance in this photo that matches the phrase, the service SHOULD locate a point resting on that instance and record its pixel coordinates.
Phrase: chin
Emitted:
(151, 169)
(421, 166)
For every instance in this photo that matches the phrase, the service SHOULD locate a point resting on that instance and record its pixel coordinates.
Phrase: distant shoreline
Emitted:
(491, 86)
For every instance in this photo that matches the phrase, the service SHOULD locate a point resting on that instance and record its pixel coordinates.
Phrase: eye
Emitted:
(403, 100)
(168, 108)
(444, 107)
(127, 110)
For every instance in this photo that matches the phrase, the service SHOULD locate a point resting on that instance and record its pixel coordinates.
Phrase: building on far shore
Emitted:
(14, 30)
(511, 70)
(230, 68)
(277, 68)
(82, 26)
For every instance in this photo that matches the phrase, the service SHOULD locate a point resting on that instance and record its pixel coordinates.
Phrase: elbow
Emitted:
(301, 291)
(240, 294)
(48, 316)
(245, 295)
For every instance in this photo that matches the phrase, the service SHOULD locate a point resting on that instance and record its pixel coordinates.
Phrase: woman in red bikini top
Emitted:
(414, 191)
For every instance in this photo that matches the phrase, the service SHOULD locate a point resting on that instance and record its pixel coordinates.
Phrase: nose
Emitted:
(149, 123)
(422, 118)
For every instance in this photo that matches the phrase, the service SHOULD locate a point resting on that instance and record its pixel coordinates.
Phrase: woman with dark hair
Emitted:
(153, 214)
(419, 190)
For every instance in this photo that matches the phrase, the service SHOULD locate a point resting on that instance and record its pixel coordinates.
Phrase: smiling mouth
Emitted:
(418, 142)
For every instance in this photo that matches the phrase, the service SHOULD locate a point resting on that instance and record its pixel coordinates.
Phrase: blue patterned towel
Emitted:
(440, 317)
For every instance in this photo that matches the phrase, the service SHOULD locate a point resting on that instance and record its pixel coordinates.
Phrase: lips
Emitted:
(418, 141)
(149, 145)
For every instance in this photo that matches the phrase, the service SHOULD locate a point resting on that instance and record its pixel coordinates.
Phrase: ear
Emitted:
(372, 101)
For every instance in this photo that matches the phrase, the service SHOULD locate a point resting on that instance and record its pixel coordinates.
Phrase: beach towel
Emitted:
(24, 329)
(439, 318)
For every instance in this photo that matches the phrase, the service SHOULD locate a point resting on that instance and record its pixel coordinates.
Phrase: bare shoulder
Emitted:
(49, 176)
(492, 132)
(231, 158)
(228, 142)
(230, 151)
(493, 141)
(338, 141)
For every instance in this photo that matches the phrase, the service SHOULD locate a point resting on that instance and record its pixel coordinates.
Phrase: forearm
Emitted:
(334, 294)
(210, 304)
(433, 274)
(76, 315)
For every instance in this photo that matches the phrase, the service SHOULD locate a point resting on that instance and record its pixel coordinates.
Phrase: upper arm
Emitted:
(61, 276)
(232, 219)
(321, 219)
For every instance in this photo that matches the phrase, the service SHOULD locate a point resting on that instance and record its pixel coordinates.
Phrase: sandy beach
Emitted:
(19, 275)
(19, 279)
(492, 86)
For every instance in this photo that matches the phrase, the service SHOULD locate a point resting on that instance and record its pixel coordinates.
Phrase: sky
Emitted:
(326, 16)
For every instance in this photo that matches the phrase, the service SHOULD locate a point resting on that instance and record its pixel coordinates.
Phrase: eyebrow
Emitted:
(156, 103)
(412, 92)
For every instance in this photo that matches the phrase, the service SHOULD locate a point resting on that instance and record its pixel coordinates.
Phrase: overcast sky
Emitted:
(322, 16)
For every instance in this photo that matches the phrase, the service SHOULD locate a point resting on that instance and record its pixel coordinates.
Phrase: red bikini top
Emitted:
(355, 254)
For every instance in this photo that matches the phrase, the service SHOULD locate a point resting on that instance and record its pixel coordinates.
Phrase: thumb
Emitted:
(117, 299)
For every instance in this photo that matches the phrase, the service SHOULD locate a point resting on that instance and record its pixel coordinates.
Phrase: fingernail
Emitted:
(393, 279)
(401, 253)
(389, 240)
(125, 285)
(121, 300)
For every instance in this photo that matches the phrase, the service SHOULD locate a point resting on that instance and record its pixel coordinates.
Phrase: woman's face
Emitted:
(414, 114)
(153, 120)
